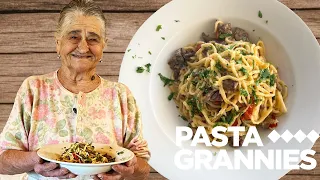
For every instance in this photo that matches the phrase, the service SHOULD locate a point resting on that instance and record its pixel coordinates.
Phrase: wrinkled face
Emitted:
(81, 45)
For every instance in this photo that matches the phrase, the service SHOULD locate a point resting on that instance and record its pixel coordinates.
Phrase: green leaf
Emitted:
(170, 96)
(260, 14)
(163, 38)
(129, 50)
(63, 133)
(243, 92)
(166, 80)
(139, 69)
(223, 36)
(150, 52)
(159, 27)
(148, 67)
(61, 124)
(243, 70)
(272, 79)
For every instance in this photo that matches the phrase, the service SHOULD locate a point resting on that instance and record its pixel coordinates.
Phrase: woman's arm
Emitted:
(16, 161)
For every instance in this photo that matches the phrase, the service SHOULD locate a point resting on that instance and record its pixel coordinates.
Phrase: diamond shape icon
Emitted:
(313, 136)
(274, 136)
(287, 136)
(300, 136)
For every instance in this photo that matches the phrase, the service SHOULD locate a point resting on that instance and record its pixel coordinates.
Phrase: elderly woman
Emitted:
(73, 104)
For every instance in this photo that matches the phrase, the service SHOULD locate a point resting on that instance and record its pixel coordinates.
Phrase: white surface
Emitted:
(290, 45)
(53, 152)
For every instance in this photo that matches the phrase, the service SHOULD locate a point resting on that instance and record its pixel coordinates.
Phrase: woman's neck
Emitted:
(76, 82)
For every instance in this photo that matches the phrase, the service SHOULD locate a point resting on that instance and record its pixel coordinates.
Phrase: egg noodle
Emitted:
(84, 153)
(238, 75)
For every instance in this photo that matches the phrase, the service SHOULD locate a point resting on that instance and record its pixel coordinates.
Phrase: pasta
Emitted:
(84, 153)
(226, 81)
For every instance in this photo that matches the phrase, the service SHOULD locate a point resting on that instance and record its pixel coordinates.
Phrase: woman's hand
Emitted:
(120, 171)
(49, 169)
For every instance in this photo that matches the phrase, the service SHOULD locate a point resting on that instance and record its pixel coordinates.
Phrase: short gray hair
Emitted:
(80, 7)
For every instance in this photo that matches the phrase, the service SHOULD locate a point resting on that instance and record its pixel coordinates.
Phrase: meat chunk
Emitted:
(176, 63)
(214, 97)
(206, 37)
(187, 54)
(240, 34)
(224, 29)
(229, 85)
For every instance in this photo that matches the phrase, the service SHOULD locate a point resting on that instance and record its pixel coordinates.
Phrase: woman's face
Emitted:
(81, 45)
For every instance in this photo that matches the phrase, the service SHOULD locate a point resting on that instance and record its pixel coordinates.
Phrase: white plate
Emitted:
(52, 153)
(290, 45)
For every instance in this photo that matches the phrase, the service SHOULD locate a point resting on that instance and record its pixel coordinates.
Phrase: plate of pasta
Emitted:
(223, 63)
(85, 158)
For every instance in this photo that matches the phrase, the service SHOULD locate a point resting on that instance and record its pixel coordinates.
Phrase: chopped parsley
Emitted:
(129, 50)
(176, 20)
(243, 70)
(139, 69)
(223, 36)
(230, 115)
(150, 52)
(218, 124)
(272, 79)
(148, 67)
(239, 61)
(267, 21)
(243, 92)
(260, 14)
(133, 57)
(159, 27)
(171, 96)
(264, 74)
(163, 38)
(255, 98)
(219, 67)
(166, 80)
(205, 73)
(195, 105)
(184, 118)
(120, 152)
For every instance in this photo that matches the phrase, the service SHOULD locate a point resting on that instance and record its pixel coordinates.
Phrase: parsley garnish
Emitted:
(239, 61)
(255, 98)
(177, 20)
(243, 70)
(219, 67)
(264, 74)
(204, 74)
(165, 80)
(171, 96)
(272, 79)
(139, 69)
(159, 27)
(228, 119)
(163, 38)
(267, 21)
(121, 152)
(243, 92)
(195, 105)
(184, 118)
(223, 36)
(260, 14)
(129, 50)
(150, 52)
(148, 67)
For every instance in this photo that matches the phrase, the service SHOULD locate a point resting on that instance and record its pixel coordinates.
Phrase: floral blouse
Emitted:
(45, 112)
